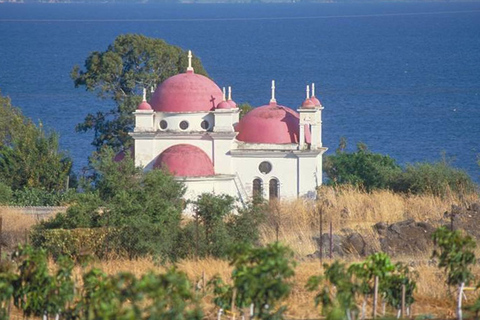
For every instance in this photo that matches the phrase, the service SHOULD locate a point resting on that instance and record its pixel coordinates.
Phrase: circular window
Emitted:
(205, 125)
(184, 125)
(265, 167)
(163, 124)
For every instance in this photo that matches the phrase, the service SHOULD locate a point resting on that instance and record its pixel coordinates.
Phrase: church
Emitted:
(191, 128)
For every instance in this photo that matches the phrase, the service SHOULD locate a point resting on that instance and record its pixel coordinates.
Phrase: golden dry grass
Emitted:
(295, 223)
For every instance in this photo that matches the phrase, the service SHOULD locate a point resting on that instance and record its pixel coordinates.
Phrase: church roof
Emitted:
(185, 160)
(186, 92)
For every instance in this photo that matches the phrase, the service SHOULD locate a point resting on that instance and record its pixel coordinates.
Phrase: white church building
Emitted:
(192, 129)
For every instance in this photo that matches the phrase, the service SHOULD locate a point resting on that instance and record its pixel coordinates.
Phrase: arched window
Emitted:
(257, 188)
(274, 189)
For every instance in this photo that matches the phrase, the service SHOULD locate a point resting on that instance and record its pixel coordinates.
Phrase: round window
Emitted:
(205, 125)
(265, 167)
(184, 125)
(163, 124)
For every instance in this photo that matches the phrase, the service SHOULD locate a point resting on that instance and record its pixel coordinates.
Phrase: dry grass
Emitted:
(295, 223)
(15, 226)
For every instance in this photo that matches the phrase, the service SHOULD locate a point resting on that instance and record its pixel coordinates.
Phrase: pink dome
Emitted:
(308, 104)
(186, 92)
(224, 105)
(185, 160)
(269, 124)
(315, 101)
(144, 106)
(232, 104)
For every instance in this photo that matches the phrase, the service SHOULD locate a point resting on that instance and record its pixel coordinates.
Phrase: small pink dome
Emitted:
(308, 104)
(315, 101)
(224, 105)
(144, 106)
(232, 104)
(269, 124)
(185, 160)
(186, 92)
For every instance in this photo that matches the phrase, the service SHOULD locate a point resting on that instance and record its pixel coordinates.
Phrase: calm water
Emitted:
(404, 78)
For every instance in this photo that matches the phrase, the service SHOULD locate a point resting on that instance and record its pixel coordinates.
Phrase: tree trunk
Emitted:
(459, 300)
(364, 306)
(375, 298)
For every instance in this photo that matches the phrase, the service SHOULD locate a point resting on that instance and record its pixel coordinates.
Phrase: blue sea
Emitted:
(404, 78)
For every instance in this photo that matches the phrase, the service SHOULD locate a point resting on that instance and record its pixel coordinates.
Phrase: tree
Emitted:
(456, 255)
(212, 210)
(140, 210)
(260, 277)
(361, 168)
(131, 63)
(29, 155)
(337, 279)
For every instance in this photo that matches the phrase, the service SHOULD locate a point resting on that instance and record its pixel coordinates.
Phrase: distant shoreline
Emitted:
(227, 1)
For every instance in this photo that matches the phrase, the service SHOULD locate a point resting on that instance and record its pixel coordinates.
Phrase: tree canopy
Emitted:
(29, 155)
(132, 62)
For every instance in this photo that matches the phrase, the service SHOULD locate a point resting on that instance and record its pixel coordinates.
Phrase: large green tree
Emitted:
(29, 155)
(131, 63)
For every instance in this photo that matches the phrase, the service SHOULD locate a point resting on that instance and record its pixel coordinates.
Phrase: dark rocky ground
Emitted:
(404, 238)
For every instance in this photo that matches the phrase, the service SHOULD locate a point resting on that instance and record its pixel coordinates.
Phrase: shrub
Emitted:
(433, 178)
(6, 194)
(361, 168)
(216, 227)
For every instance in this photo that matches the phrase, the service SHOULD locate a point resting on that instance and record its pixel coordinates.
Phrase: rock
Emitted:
(407, 238)
(475, 207)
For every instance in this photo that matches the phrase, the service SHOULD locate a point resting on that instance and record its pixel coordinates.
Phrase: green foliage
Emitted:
(433, 178)
(77, 244)
(141, 211)
(260, 277)
(29, 156)
(216, 227)
(42, 197)
(337, 279)
(244, 109)
(392, 286)
(212, 210)
(132, 62)
(375, 171)
(6, 194)
(38, 291)
(455, 253)
(361, 168)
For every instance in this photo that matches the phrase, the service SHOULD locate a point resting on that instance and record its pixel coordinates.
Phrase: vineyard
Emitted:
(262, 282)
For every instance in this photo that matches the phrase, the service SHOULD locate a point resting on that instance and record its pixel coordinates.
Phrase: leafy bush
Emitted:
(260, 277)
(41, 197)
(39, 291)
(216, 227)
(5, 194)
(142, 211)
(371, 171)
(75, 243)
(361, 168)
(433, 178)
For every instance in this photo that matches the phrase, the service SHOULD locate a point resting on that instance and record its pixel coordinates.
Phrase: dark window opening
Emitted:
(265, 167)
(184, 125)
(205, 125)
(163, 125)
(274, 187)
(257, 188)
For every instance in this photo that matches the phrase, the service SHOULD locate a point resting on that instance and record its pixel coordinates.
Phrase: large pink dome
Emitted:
(269, 124)
(185, 160)
(186, 92)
